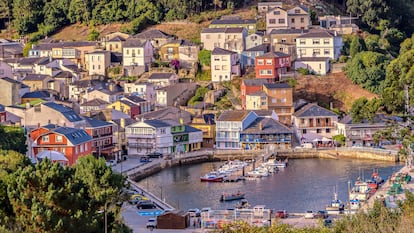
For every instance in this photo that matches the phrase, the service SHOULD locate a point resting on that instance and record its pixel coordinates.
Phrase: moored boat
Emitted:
(336, 206)
(232, 196)
(243, 204)
(211, 177)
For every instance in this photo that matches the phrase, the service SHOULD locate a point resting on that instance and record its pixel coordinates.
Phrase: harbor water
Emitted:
(306, 184)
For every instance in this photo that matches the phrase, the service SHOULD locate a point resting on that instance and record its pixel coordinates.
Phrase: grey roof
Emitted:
(99, 52)
(266, 125)
(36, 77)
(312, 59)
(223, 30)
(30, 60)
(69, 114)
(276, 85)
(233, 21)
(220, 51)
(235, 115)
(128, 103)
(117, 39)
(63, 74)
(258, 93)
(312, 110)
(94, 102)
(273, 55)
(75, 136)
(152, 34)
(89, 83)
(289, 31)
(74, 68)
(10, 80)
(318, 34)
(168, 112)
(157, 123)
(135, 99)
(160, 76)
(263, 113)
(95, 123)
(255, 81)
(36, 94)
(190, 129)
(134, 43)
(379, 119)
(262, 47)
(182, 43)
(64, 44)
(128, 121)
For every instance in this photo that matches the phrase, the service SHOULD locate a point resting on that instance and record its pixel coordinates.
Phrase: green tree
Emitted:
(372, 11)
(93, 34)
(27, 14)
(357, 45)
(204, 56)
(339, 138)
(368, 70)
(357, 110)
(399, 75)
(12, 138)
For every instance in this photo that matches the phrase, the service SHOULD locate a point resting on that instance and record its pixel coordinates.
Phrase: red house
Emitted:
(73, 143)
(249, 86)
(270, 65)
(102, 133)
(3, 114)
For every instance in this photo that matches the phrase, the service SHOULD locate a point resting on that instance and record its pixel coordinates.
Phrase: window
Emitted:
(328, 130)
(269, 61)
(315, 41)
(274, 100)
(1, 71)
(45, 138)
(262, 72)
(316, 52)
(276, 12)
(269, 72)
(297, 11)
(302, 42)
(318, 131)
(283, 40)
(260, 61)
(283, 100)
(127, 51)
(93, 67)
(302, 20)
(217, 67)
(303, 131)
(281, 21)
(170, 50)
(325, 41)
(272, 21)
(326, 52)
(292, 20)
(99, 67)
(59, 138)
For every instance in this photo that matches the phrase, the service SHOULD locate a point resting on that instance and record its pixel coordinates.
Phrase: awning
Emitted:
(52, 155)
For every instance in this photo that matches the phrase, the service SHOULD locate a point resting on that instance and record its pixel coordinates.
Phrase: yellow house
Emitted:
(170, 51)
(126, 107)
(207, 125)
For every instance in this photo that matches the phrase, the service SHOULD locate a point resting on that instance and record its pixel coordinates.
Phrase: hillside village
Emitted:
(139, 94)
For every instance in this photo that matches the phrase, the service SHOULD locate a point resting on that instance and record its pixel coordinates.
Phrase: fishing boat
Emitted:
(232, 196)
(360, 191)
(281, 163)
(212, 177)
(336, 206)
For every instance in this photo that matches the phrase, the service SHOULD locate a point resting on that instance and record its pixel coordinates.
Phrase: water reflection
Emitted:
(304, 184)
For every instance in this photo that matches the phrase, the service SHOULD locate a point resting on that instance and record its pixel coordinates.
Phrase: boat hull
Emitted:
(232, 197)
(215, 179)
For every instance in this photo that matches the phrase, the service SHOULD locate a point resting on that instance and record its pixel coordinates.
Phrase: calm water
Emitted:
(305, 184)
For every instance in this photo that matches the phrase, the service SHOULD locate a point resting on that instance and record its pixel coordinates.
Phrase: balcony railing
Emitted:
(140, 145)
(102, 135)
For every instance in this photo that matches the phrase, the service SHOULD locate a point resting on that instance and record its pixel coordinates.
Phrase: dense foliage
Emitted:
(12, 138)
(50, 198)
(47, 16)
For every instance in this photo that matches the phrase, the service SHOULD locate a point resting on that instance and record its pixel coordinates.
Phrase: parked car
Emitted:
(327, 222)
(154, 155)
(139, 197)
(194, 212)
(144, 159)
(321, 214)
(309, 214)
(152, 223)
(146, 204)
(281, 214)
(111, 163)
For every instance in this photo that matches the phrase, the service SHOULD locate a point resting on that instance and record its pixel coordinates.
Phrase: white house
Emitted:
(97, 62)
(224, 65)
(143, 90)
(137, 56)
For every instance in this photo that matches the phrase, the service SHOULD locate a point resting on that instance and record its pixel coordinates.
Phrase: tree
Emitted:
(13, 138)
(372, 11)
(93, 34)
(399, 75)
(204, 56)
(357, 45)
(368, 70)
(27, 14)
(357, 110)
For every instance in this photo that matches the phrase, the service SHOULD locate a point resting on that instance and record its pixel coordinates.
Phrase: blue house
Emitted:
(248, 56)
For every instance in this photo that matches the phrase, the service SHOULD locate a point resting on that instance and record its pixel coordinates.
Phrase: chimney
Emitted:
(260, 126)
(122, 123)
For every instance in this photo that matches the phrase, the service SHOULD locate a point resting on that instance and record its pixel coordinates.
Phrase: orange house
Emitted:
(102, 133)
(73, 143)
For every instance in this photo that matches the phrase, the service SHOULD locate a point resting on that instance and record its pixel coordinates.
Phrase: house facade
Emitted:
(314, 122)
(5, 70)
(248, 56)
(10, 91)
(102, 134)
(207, 125)
(156, 37)
(249, 86)
(184, 51)
(234, 22)
(97, 62)
(163, 79)
(73, 143)
(229, 125)
(225, 64)
(271, 65)
(37, 81)
(93, 105)
(137, 56)
(280, 100)
(295, 18)
(319, 43)
(143, 90)
(233, 39)
(266, 133)
(284, 40)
